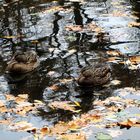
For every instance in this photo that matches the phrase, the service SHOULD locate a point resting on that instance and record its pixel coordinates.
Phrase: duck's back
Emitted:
(94, 75)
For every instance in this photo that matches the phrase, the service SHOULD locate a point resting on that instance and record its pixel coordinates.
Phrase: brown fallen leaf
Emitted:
(23, 110)
(93, 118)
(128, 123)
(74, 136)
(75, 28)
(54, 87)
(4, 109)
(114, 53)
(44, 131)
(113, 59)
(134, 59)
(9, 97)
(93, 27)
(6, 122)
(117, 13)
(21, 98)
(53, 9)
(21, 126)
(59, 128)
(65, 105)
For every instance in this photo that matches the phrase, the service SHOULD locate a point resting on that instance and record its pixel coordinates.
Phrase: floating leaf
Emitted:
(54, 87)
(113, 59)
(77, 104)
(53, 9)
(134, 59)
(3, 109)
(75, 136)
(21, 98)
(115, 82)
(65, 105)
(59, 128)
(134, 24)
(75, 28)
(117, 13)
(21, 126)
(64, 81)
(6, 122)
(114, 53)
(44, 131)
(129, 123)
(9, 97)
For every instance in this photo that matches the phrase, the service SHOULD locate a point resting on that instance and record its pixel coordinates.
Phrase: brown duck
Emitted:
(94, 75)
(23, 62)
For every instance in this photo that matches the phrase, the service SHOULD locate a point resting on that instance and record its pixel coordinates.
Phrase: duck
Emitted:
(97, 75)
(23, 62)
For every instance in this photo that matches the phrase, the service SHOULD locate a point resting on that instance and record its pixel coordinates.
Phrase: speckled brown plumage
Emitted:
(23, 62)
(94, 75)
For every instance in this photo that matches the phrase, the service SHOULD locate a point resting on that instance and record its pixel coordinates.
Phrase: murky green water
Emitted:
(24, 22)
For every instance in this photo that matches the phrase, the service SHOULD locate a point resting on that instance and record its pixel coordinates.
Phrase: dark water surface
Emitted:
(62, 53)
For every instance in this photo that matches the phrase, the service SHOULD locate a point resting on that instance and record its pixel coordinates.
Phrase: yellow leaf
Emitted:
(77, 104)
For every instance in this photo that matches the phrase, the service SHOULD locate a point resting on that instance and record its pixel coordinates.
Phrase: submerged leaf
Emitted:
(103, 136)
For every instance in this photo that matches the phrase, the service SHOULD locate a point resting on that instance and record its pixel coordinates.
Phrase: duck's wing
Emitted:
(102, 80)
(101, 71)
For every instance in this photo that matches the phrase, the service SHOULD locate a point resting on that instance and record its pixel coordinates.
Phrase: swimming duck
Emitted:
(23, 62)
(97, 75)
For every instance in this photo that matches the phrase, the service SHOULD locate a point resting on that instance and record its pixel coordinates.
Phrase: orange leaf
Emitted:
(75, 28)
(9, 97)
(54, 87)
(74, 136)
(134, 59)
(114, 53)
(44, 131)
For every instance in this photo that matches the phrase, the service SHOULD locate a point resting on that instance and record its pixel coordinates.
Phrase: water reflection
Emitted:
(33, 25)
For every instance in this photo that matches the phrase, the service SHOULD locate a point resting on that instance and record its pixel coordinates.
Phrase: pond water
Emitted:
(40, 25)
